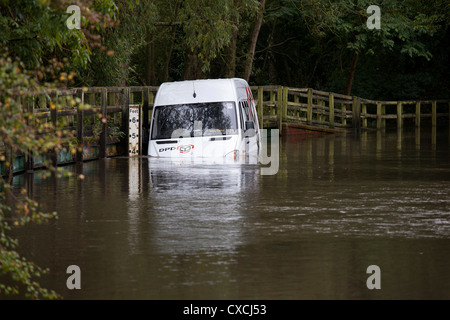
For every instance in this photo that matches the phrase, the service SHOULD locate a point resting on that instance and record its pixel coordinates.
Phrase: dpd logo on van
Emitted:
(186, 148)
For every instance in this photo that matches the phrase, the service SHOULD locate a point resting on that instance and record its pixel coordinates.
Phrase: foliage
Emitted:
(95, 124)
(21, 271)
(304, 43)
(111, 61)
(207, 26)
(36, 32)
(308, 43)
(188, 35)
(37, 53)
(21, 131)
(403, 24)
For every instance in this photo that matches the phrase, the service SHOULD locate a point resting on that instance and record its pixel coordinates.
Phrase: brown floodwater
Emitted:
(147, 228)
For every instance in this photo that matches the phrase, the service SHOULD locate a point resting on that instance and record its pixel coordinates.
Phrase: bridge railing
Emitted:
(99, 131)
(315, 109)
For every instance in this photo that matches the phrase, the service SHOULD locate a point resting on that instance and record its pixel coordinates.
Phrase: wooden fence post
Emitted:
(364, 110)
(54, 120)
(285, 102)
(92, 99)
(104, 124)
(272, 99)
(417, 138)
(126, 117)
(29, 165)
(280, 108)
(151, 99)
(112, 102)
(145, 122)
(296, 101)
(331, 106)
(140, 129)
(418, 114)
(344, 114)
(319, 114)
(433, 138)
(80, 126)
(261, 107)
(356, 112)
(379, 115)
(309, 107)
(433, 113)
(399, 115)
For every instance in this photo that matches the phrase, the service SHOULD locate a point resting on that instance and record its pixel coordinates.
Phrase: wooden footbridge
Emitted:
(319, 110)
(278, 107)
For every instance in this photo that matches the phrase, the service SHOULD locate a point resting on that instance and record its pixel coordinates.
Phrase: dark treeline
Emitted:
(323, 44)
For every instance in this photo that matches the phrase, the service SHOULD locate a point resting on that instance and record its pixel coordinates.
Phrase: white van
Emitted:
(213, 118)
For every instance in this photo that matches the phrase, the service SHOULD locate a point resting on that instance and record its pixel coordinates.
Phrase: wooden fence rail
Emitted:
(315, 109)
(102, 129)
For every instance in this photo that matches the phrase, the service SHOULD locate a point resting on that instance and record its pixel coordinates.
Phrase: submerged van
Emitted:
(213, 118)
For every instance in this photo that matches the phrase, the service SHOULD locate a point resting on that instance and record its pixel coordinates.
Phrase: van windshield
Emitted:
(194, 120)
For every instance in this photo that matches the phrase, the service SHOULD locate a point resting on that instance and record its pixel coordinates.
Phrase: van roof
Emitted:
(198, 91)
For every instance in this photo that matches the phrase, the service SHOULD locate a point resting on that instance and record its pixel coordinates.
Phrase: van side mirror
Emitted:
(250, 129)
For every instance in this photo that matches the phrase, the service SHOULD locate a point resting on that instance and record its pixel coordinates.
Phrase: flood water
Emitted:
(146, 229)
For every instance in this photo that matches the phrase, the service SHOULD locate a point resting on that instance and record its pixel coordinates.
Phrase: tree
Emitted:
(405, 27)
(253, 40)
(208, 28)
(35, 49)
(188, 39)
(36, 31)
(21, 131)
(112, 63)
(161, 41)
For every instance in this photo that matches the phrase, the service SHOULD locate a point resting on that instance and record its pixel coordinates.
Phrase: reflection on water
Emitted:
(156, 229)
(186, 199)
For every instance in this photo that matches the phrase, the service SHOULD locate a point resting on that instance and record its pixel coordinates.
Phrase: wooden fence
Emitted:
(315, 109)
(97, 138)
(277, 106)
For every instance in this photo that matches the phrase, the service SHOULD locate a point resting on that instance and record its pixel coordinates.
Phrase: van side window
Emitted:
(242, 115)
(245, 112)
(245, 109)
(252, 113)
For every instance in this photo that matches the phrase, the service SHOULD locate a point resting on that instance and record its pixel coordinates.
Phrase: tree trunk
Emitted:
(150, 74)
(351, 74)
(192, 69)
(169, 54)
(288, 71)
(124, 68)
(231, 55)
(187, 66)
(253, 40)
(174, 36)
